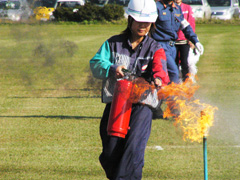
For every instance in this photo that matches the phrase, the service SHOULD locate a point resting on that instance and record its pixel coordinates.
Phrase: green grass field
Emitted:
(49, 117)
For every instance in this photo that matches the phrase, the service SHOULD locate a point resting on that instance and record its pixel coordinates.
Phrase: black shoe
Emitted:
(157, 114)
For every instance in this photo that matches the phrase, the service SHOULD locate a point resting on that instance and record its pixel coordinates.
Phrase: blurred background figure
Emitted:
(187, 55)
(182, 43)
(170, 20)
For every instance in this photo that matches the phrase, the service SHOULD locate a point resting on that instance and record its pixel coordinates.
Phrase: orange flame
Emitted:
(193, 117)
(139, 89)
(184, 90)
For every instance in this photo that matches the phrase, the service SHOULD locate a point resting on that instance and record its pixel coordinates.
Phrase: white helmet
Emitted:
(143, 10)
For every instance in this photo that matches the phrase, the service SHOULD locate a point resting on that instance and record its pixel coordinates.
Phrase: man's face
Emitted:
(140, 29)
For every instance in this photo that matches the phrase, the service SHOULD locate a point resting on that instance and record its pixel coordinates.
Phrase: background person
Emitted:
(123, 158)
(170, 20)
(182, 44)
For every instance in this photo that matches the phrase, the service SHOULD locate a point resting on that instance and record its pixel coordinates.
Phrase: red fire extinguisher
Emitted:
(118, 122)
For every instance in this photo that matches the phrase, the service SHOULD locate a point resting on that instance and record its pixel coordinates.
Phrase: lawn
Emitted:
(49, 114)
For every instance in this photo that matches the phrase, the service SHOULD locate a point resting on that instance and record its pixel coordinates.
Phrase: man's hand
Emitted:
(119, 72)
(199, 47)
(157, 82)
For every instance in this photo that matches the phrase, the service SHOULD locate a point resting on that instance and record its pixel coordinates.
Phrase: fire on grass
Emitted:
(193, 117)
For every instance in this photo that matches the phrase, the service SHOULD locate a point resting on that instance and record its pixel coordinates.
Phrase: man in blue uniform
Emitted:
(170, 20)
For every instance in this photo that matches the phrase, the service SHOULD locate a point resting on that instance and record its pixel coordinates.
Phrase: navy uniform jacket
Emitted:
(116, 51)
(170, 20)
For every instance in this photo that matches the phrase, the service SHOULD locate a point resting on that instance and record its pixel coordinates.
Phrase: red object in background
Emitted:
(118, 122)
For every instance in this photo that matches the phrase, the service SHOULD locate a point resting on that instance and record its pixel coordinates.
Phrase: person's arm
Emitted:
(159, 67)
(188, 31)
(101, 64)
(189, 34)
(186, 28)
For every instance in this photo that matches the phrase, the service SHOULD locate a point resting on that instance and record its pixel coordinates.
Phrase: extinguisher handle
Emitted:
(129, 74)
(126, 71)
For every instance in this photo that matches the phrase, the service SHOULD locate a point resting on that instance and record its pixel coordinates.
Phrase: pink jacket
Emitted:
(188, 15)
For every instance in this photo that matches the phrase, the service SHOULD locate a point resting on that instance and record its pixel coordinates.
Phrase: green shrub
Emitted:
(89, 13)
(63, 14)
(112, 12)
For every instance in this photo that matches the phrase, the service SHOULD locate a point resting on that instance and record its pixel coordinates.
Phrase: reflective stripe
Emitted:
(142, 13)
(184, 24)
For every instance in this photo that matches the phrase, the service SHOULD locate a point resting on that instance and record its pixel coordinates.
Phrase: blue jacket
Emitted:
(170, 20)
(116, 51)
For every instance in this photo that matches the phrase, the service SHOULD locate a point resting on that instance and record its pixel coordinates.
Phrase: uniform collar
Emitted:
(165, 5)
(140, 44)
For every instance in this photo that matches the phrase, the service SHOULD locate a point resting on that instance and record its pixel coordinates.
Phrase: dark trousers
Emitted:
(182, 59)
(123, 158)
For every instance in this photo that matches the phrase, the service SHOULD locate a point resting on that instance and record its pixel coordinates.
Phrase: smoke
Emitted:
(51, 52)
(226, 126)
(37, 58)
(51, 58)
